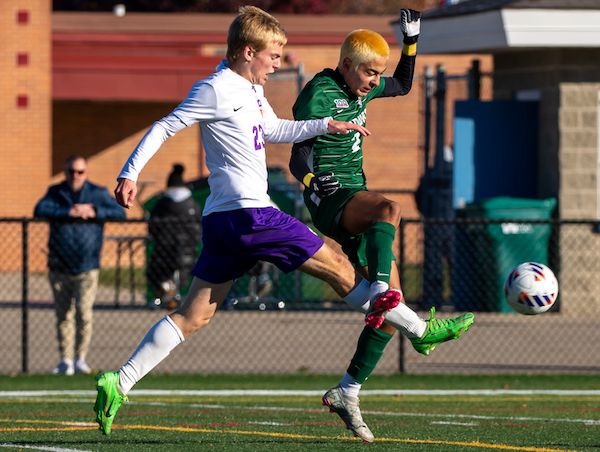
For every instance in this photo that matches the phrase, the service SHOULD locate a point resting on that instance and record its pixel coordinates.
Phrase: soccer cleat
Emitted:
(382, 305)
(441, 330)
(346, 407)
(108, 400)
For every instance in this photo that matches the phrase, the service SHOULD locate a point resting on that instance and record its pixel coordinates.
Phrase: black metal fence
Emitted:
(295, 323)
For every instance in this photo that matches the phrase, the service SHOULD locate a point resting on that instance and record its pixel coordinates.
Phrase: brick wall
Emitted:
(578, 122)
(107, 132)
(578, 154)
(25, 103)
(45, 133)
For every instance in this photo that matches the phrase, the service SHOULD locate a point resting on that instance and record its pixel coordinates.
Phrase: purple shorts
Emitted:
(233, 242)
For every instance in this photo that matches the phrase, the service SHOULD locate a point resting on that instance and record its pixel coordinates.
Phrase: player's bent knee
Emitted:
(391, 212)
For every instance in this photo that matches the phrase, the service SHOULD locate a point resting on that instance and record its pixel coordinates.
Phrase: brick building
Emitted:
(109, 78)
(25, 103)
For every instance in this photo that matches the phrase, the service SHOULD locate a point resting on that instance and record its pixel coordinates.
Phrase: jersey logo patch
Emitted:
(341, 103)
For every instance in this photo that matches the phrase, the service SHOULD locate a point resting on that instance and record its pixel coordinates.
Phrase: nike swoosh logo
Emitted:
(236, 109)
(382, 274)
(108, 413)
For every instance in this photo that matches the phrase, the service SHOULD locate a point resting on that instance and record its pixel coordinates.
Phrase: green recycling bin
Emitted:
(485, 253)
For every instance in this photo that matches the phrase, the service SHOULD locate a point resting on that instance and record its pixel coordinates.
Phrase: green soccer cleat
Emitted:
(108, 400)
(441, 330)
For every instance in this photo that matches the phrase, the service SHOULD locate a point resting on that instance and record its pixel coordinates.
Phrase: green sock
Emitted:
(371, 344)
(380, 239)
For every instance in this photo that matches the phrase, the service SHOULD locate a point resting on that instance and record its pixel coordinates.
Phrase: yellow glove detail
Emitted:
(409, 49)
(306, 179)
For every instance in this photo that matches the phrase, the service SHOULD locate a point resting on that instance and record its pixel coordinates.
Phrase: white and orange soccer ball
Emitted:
(531, 288)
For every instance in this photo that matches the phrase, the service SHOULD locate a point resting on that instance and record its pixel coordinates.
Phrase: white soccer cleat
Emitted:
(346, 407)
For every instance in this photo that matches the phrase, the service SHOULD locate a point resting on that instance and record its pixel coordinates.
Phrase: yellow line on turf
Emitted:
(477, 444)
(67, 425)
(33, 421)
(474, 444)
(414, 441)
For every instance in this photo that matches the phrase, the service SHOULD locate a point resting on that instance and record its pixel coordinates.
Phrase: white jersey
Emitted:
(235, 121)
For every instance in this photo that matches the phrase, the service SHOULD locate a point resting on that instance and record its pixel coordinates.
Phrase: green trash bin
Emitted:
(485, 253)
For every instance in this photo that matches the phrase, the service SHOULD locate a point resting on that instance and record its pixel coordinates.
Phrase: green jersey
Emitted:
(327, 95)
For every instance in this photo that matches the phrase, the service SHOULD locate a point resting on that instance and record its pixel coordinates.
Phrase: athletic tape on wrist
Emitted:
(307, 178)
(409, 49)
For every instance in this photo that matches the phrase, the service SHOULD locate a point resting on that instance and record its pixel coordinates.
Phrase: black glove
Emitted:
(410, 24)
(324, 184)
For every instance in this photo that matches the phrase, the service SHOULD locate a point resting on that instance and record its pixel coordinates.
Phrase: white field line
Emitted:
(454, 417)
(487, 418)
(286, 392)
(467, 424)
(588, 422)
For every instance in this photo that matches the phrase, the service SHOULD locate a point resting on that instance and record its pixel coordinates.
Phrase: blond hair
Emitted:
(255, 28)
(363, 46)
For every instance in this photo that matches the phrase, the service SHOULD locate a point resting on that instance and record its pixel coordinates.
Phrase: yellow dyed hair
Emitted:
(255, 28)
(363, 46)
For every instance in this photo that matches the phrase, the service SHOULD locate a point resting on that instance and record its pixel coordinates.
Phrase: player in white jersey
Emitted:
(240, 227)
(235, 119)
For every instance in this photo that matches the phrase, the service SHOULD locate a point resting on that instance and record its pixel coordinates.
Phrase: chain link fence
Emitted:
(277, 323)
(296, 324)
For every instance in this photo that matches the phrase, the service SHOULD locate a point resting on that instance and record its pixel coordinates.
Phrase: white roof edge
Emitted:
(508, 29)
(552, 28)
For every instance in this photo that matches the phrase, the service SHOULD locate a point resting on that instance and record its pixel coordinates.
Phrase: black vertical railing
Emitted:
(401, 271)
(25, 295)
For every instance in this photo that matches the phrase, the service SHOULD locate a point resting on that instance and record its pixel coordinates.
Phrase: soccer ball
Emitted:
(531, 288)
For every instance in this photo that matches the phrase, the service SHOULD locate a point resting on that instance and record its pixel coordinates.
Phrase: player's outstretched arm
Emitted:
(125, 192)
(334, 126)
(401, 82)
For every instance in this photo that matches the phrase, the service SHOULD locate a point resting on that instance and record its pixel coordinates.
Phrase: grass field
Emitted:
(284, 413)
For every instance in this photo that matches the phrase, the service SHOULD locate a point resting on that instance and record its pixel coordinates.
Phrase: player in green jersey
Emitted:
(337, 197)
(363, 222)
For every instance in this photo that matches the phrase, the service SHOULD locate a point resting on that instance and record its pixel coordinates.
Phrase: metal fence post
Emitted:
(300, 76)
(440, 135)
(299, 201)
(428, 91)
(475, 81)
(401, 271)
(25, 296)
